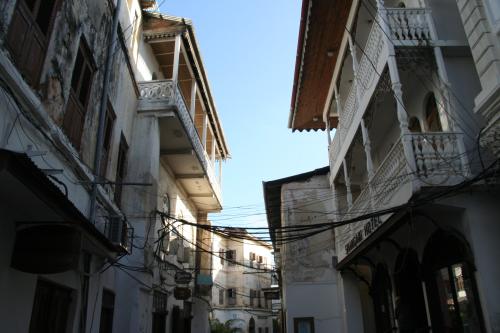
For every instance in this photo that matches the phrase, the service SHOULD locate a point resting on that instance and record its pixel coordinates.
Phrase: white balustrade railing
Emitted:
(366, 75)
(347, 114)
(408, 24)
(438, 154)
(158, 89)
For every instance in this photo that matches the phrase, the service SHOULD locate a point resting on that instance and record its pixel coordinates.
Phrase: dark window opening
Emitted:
(81, 84)
(159, 312)
(432, 115)
(107, 310)
(231, 296)
(108, 133)
(121, 169)
(28, 36)
(221, 297)
(231, 256)
(303, 325)
(50, 308)
(414, 125)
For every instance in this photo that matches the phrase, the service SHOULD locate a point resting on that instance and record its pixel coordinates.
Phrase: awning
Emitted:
(41, 212)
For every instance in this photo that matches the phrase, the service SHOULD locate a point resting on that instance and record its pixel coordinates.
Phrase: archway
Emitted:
(410, 305)
(432, 115)
(451, 287)
(251, 325)
(382, 300)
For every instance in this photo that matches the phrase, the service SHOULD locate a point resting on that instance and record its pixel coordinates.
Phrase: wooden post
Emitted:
(192, 108)
(177, 51)
(204, 132)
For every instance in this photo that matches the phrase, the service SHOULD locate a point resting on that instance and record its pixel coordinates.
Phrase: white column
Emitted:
(220, 169)
(327, 127)
(354, 56)
(213, 150)
(368, 150)
(347, 185)
(397, 89)
(335, 202)
(204, 132)
(177, 51)
(192, 108)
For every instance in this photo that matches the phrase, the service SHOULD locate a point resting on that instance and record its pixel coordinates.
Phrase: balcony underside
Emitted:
(177, 152)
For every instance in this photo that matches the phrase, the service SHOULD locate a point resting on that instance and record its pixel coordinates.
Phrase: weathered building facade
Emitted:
(410, 89)
(242, 271)
(307, 278)
(109, 138)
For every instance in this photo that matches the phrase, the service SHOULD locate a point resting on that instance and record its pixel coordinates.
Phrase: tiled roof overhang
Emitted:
(321, 30)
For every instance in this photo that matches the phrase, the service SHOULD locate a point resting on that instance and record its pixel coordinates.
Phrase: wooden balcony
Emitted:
(180, 143)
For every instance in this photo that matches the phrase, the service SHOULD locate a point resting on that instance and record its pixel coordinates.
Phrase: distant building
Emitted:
(307, 278)
(411, 89)
(111, 152)
(241, 270)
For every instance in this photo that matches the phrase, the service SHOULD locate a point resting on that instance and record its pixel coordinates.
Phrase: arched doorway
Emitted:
(382, 300)
(410, 304)
(432, 115)
(251, 325)
(451, 287)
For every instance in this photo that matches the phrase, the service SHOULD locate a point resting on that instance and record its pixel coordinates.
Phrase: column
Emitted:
(369, 162)
(347, 185)
(212, 157)
(192, 108)
(368, 149)
(444, 83)
(355, 66)
(177, 51)
(220, 169)
(204, 132)
(397, 89)
(335, 202)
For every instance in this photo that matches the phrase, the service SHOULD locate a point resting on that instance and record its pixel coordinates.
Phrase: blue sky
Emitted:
(248, 49)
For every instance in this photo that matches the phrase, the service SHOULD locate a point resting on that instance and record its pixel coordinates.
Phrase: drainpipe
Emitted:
(102, 112)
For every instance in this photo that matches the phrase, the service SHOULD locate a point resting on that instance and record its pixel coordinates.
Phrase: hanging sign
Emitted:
(181, 293)
(182, 277)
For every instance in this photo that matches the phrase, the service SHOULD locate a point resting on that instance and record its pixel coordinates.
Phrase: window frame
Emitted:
(121, 164)
(297, 320)
(21, 47)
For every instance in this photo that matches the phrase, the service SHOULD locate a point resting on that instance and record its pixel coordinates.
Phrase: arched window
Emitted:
(251, 326)
(451, 289)
(414, 125)
(432, 115)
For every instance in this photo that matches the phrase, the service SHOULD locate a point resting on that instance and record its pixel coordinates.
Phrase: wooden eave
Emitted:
(321, 30)
(157, 26)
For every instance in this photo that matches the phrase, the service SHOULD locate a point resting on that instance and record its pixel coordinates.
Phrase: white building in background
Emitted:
(411, 89)
(111, 97)
(241, 271)
(307, 278)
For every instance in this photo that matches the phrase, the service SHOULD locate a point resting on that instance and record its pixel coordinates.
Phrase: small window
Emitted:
(432, 115)
(252, 297)
(231, 256)
(50, 308)
(107, 311)
(28, 36)
(303, 325)
(259, 300)
(221, 297)
(231, 296)
(108, 134)
(414, 125)
(159, 324)
(221, 255)
(121, 169)
(81, 84)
